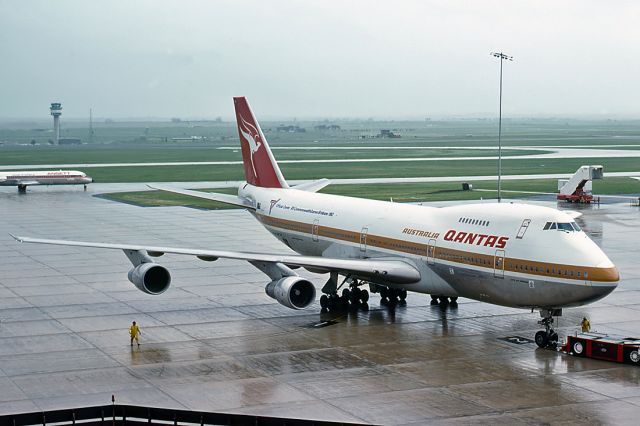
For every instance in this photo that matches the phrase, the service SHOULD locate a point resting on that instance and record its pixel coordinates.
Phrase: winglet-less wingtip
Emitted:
(18, 239)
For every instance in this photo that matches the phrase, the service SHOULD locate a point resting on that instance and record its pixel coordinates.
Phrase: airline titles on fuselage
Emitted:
(421, 233)
(476, 239)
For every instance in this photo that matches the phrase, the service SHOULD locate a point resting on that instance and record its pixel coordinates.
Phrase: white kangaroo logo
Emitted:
(252, 136)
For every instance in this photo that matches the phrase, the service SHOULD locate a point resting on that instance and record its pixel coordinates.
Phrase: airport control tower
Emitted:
(56, 111)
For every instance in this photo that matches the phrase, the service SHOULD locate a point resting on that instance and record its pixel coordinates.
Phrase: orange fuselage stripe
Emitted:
(522, 266)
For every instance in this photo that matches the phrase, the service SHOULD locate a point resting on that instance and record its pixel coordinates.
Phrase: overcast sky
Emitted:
(388, 59)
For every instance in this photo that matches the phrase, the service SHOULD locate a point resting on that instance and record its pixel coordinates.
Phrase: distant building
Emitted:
(190, 138)
(290, 129)
(323, 127)
(386, 133)
(69, 141)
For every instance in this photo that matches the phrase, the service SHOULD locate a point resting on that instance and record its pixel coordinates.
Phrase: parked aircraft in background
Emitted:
(509, 254)
(44, 177)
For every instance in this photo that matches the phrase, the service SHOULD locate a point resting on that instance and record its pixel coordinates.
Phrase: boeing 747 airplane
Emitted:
(59, 177)
(509, 254)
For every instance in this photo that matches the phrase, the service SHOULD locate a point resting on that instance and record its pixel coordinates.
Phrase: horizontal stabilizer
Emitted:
(234, 200)
(388, 271)
(313, 186)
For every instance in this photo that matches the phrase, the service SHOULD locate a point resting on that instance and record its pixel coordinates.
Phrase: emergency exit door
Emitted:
(498, 264)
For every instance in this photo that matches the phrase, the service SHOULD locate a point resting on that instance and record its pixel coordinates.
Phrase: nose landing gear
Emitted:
(547, 338)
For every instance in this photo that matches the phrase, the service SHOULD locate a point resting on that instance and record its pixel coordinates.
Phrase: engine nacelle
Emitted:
(150, 278)
(292, 292)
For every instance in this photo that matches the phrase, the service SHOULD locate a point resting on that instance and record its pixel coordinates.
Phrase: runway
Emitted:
(216, 342)
(101, 188)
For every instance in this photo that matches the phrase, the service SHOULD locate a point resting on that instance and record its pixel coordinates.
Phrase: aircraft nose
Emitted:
(607, 279)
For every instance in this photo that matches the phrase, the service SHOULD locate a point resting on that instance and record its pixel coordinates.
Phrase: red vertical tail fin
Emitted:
(260, 167)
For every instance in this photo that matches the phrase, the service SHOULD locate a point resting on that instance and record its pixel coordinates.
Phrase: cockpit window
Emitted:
(565, 227)
(568, 227)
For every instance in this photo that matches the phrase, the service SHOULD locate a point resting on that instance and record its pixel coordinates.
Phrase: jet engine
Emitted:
(292, 292)
(150, 278)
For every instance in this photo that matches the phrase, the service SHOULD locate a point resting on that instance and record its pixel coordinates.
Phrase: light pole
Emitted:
(502, 57)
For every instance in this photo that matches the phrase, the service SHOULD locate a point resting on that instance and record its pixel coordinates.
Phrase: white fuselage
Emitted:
(494, 252)
(44, 177)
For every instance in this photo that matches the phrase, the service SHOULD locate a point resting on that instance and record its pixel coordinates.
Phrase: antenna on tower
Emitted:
(90, 125)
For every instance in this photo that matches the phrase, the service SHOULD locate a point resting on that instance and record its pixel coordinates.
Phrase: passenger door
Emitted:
(498, 264)
(363, 239)
(314, 230)
(431, 251)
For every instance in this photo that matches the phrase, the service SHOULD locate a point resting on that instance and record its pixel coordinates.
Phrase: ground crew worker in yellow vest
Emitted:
(134, 331)
(586, 326)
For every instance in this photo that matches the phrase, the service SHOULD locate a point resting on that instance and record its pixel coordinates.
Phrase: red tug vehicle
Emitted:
(604, 347)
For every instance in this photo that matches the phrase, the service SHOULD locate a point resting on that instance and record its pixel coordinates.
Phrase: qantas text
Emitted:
(477, 239)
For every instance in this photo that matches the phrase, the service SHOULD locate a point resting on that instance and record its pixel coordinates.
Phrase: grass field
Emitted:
(404, 192)
(292, 171)
(218, 141)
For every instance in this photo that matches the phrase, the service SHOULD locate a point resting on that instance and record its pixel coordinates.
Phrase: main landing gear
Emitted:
(547, 338)
(351, 298)
(444, 301)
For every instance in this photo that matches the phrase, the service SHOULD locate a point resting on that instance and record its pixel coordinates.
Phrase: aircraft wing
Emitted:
(213, 196)
(392, 271)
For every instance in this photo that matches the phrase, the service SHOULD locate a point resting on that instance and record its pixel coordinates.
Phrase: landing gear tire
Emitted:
(334, 302)
(384, 293)
(444, 301)
(541, 339)
(547, 338)
(324, 301)
(344, 302)
(434, 300)
(393, 303)
(403, 295)
(364, 296)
